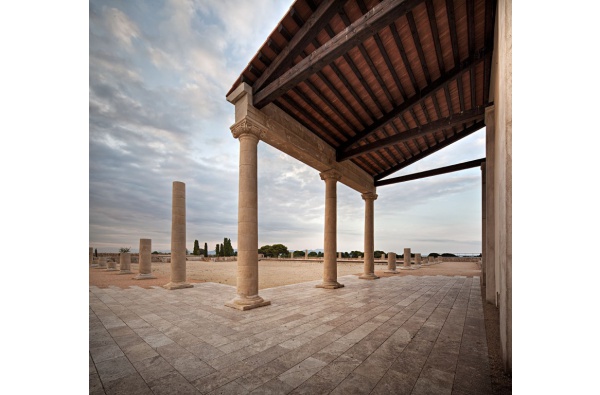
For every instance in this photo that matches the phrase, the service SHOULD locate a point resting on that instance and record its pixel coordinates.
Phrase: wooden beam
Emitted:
(471, 25)
(452, 27)
(433, 172)
(405, 60)
(309, 30)
(415, 99)
(366, 26)
(436, 36)
(432, 127)
(450, 140)
(417, 40)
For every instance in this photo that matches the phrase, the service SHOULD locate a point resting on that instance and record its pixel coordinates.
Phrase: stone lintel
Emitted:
(283, 132)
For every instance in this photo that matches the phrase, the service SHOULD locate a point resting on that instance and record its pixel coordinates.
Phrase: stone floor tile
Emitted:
(104, 353)
(337, 370)
(96, 384)
(153, 368)
(232, 388)
(261, 375)
(113, 369)
(205, 351)
(396, 383)
(273, 387)
(355, 384)
(301, 372)
(133, 384)
(173, 383)
(139, 352)
(433, 381)
(315, 385)
(191, 367)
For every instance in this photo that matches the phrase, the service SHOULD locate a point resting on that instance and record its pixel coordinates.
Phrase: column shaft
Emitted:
(331, 178)
(145, 260)
(247, 267)
(178, 236)
(369, 265)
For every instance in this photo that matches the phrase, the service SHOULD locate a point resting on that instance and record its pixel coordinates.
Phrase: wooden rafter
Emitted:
(450, 140)
(419, 131)
(366, 26)
(326, 10)
(452, 28)
(415, 99)
(434, 172)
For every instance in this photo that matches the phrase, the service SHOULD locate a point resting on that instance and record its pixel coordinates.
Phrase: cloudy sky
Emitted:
(158, 75)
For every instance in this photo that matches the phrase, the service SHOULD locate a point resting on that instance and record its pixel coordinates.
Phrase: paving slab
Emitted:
(401, 335)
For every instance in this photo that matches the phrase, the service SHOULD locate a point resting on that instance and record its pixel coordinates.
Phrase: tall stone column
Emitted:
(145, 260)
(248, 134)
(331, 177)
(391, 263)
(178, 234)
(369, 268)
(125, 263)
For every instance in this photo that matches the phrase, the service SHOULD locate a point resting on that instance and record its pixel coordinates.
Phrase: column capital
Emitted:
(247, 126)
(369, 196)
(331, 174)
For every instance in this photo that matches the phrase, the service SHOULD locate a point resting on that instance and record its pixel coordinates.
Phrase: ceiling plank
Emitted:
(309, 30)
(431, 127)
(415, 99)
(415, 35)
(453, 139)
(436, 36)
(366, 26)
(434, 172)
(452, 27)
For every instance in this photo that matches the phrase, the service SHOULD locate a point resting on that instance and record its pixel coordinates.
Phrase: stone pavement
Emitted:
(395, 335)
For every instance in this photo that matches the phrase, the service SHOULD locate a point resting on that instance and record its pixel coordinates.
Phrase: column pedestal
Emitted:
(145, 260)
(125, 263)
(391, 263)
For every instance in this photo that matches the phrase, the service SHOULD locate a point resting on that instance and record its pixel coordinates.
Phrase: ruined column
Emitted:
(248, 134)
(369, 268)
(91, 256)
(339, 255)
(125, 263)
(418, 260)
(331, 177)
(483, 224)
(145, 264)
(391, 263)
(102, 262)
(406, 265)
(178, 256)
(112, 265)
(305, 254)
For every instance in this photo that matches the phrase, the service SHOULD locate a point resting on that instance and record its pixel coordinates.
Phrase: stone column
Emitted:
(125, 263)
(418, 259)
(406, 265)
(339, 255)
(305, 254)
(391, 263)
(145, 264)
(178, 256)
(102, 262)
(331, 177)
(369, 268)
(91, 256)
(248, 134)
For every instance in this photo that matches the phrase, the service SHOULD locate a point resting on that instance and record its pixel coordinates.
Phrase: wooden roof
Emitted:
(384, 83)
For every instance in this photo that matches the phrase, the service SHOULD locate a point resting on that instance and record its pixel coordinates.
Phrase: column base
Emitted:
(409, 268)
(173, 285)
(144, 276)
(391, 271)
(330, 285)
(112, 270)
(247, 303)
(370, 276)
(125, 272)
(94, 266)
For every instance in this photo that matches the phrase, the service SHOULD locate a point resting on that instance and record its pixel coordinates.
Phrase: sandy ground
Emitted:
(273, 273)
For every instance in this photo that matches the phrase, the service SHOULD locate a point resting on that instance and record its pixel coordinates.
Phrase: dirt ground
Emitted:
(274, 273)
